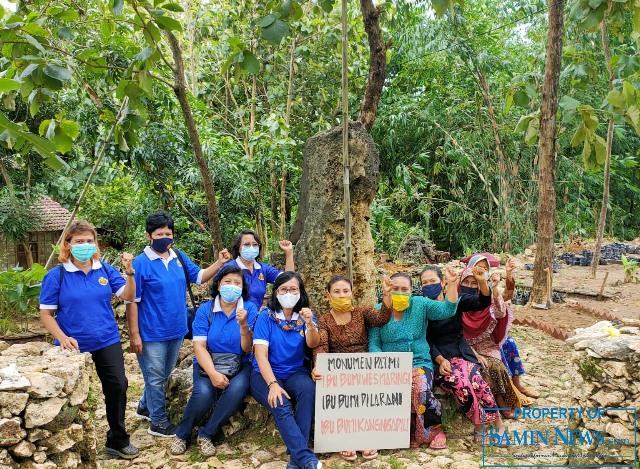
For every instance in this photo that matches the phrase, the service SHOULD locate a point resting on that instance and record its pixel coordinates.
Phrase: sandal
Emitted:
(369, 454)
(529, 392)
(507, 414)
(439, 442)
(349, 456)
(478, 437)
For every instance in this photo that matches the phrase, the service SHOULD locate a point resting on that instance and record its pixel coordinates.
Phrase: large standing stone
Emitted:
(319, 229)
(11, 432)
(40, 413)
(12, 403)
(416, 251)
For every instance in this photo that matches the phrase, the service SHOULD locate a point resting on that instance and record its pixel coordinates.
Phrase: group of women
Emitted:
(241, 346)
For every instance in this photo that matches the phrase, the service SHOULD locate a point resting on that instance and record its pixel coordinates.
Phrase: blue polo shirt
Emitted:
(83, 303)
(257, 280)
(161, 294)
(286, 348)
(223, 335)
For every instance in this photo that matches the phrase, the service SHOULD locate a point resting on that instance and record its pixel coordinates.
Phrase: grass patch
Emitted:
(589, 369)
(394, 462)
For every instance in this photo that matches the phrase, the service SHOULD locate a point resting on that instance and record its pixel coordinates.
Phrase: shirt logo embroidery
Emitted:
(103, 281)
(179, 263)
(261, 276)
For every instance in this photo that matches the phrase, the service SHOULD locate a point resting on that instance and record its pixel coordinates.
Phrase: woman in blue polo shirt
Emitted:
(221, 325)
(75, 307)
(279, 339)
(246, 252)
(158, 317)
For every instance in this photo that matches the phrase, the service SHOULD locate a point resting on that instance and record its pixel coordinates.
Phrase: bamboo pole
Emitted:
(101, 153)
(345, 144)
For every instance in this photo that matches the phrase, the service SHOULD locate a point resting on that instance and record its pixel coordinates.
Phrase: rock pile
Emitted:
(47, 408)
(606, 374)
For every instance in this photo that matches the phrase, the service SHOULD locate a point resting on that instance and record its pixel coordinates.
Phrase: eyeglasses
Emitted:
(284, 290)
(251, 245)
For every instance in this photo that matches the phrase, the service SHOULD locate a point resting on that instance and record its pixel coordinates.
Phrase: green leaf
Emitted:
(250, 63)
(521, 99)
(523, 123)
(68, 15)
(275, 32)
(118, 7)
(600, 149)
(227, 63)
(508, 101)
(34, 107)
(45, 148)
(173, 7)
(7, 84)
(629, 93)
(71, 128)
(43, 126)
(51, 129)
(28, 70)
(533, 128)
(568, 103)
(34, 42)
(168, 23)
(615, 98)
(578, 137)
(151, 34)
(144, 54)
(440, 6)
(326, 5)
(63, 142)
(266, 21)
(65, 32)
(594, 3)
(586, 155)
(57, 72)
(35, 29)
(633, 114)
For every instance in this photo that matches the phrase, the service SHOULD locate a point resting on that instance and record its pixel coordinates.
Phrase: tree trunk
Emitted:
(546, 153)
(607, 164)
(191, 39)
(377, 64)
(180, 90)
(287, 119)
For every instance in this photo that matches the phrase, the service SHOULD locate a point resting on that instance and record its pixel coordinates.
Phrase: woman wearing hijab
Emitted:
(509, 350)
(458, 371)
(485, 331)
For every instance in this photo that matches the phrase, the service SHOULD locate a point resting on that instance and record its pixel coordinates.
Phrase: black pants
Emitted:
(110, 368)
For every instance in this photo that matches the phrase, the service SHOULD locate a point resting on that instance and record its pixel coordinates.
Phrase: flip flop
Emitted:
(529, 392)
(478, 437)
(508, 414)
(439, 442)
(369, 454)
(349, 456)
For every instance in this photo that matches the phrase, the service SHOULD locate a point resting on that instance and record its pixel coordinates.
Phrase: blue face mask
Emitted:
(468, 290)
(432, 291)
(249, 253)
(230, 293)
(83, 252)
(161, 245)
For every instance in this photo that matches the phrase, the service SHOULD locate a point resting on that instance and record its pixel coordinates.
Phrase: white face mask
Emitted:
(288, 300)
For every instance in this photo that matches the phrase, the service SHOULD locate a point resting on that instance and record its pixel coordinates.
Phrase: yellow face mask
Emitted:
(340, 305)
(400, 301)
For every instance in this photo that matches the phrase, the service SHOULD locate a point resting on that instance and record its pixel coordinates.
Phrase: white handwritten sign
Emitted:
(363, 401)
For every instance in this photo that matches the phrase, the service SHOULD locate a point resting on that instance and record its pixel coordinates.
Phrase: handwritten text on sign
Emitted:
(363, 401)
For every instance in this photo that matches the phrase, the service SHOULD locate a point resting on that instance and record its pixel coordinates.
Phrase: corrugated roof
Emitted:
(52, 215)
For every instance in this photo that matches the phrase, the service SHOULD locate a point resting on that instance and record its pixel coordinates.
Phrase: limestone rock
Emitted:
(43, 385)
(45, 465)
(6, 461)
(40, 413)
(39, 457)
(24, 449)
(11, 379)
(58, 442)
(4, 345)
(12, 403)
(31, 348)
(178, 391)
(11, 432)
(613, 347)
(608, 398)
(81, 391)
(318, 231)
(68, 460)
(416, 251)
(38, 434)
